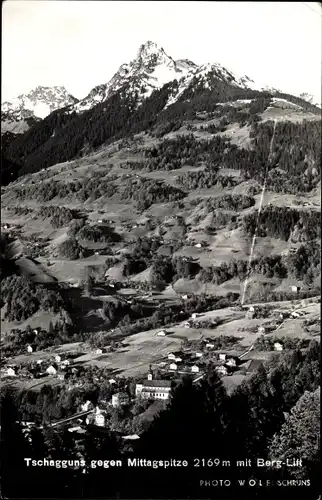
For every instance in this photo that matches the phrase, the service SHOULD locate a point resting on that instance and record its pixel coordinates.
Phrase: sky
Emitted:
(81, 44)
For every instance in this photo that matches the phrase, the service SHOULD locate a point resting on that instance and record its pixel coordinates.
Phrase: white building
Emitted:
(99, 351)
(194, 316)
(210, 346)
(87, 406)
(178, 360)
(222, 357)
(112, 381)
(99, 418)
(51, 370)
(11, 372)
(154, 389)
(198, 245)
(222, 370)
(173, 366)
(57, 358)
(195, 369)
(198, 354)
(278, 346)
(184, 297)
(29, 349)
(261, 329)
(171, 356)
(295, 288)
(119, 399)
(161, 333)
(231, 362)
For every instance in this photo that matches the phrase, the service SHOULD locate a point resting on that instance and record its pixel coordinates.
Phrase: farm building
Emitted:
(194, 316)
(11, 372)
(222, 357)
(171, 356)
(231, 362)
(119, 399)
(198, 355)
(173, 366)
(261, 329)
(278, 346)
(51, 370)
(57, 358)
(99, 351)
(29, 349)
(295, 288)
(186, 324)
(195, 369)
(221, 370)
(210, 346)
(161, 333)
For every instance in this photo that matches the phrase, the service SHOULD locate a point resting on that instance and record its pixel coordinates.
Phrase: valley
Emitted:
(160, 251)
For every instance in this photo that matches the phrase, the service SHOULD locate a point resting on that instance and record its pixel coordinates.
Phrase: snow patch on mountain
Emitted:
(38, 103)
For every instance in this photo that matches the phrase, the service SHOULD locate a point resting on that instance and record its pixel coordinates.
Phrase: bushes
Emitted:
(24, 298)
(59, 216)
(102, 234)
(70, 249)
(279, 222)
(146, 192)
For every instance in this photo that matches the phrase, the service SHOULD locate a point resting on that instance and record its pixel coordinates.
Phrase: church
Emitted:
(154, 389)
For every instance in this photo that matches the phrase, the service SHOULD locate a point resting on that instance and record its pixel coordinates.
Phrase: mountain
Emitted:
(151, 93)
(151, 69)
(17, 115)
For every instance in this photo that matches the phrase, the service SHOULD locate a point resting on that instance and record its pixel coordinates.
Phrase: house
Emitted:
(186, 324)
(261, 329)
(295, 314)
(195, 369)
(198, 355)
(65, 363)
(295, 288)
(39, 361)
(222, 357)
(194, 316)
(11, 372)
(87, 406)
(221, 370)
(154, 389)
(29, 349)
(100, 221)
(198, 245)
(171, 356)
(99, 351)
(51, 370)
(132, 437)
(231, 362)
(57, 358)
(61, 375)
(36, 331)
(119, 399)
(161, 333)
(184, 297)
(178, 360)
(278, 346)
(210, 346)
(97, 419)
(112, 381)
(173, 366)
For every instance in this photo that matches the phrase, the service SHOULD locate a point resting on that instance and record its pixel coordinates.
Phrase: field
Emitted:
(226, 244)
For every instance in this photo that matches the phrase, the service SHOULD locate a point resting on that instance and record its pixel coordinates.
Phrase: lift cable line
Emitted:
(258, 215)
